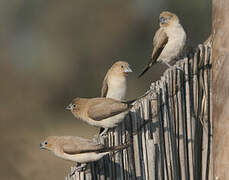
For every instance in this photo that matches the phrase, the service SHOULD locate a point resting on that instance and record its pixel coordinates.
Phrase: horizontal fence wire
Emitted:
(170, 129)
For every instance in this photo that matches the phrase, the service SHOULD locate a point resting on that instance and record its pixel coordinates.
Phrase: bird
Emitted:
(168, 42)
(100, 111)
(115, 82)
(77, 149)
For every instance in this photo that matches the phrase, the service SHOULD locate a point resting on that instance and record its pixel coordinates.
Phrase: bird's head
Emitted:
(121, 68)
(75, 105)
(48, 143)
(168, 19)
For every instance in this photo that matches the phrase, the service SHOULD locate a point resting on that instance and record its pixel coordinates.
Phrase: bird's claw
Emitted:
(103, 135)
(78, 169)
(74, 171)
(179, 68)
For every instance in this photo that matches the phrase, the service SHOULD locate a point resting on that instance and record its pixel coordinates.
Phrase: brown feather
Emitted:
(104, 89)
(100, 108)
(77, 145)
(159, 42)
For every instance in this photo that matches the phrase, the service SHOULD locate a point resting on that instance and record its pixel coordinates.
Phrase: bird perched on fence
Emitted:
(100, 112)
(168, 42)
(77, 149)
(115, 81)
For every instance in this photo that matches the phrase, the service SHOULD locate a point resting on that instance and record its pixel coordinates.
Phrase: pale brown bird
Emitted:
(77, 149)
(115, 81)
(168, 42)
(100, 112)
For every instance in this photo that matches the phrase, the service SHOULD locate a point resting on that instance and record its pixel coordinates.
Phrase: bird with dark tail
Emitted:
(168, 42)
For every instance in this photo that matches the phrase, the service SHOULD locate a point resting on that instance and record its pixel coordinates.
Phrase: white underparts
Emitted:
(175, 44)
(117, 86)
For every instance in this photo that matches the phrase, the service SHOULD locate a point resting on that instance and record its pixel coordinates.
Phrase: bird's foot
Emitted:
(103, 136)
(104, 133)
(167, 64)
(74, 171)
(173, 67)
(178, 68)
(78, 169)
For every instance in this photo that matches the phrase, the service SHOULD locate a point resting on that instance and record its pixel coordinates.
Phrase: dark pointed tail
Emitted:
(130, 102)
(146, 68)
(118, 148)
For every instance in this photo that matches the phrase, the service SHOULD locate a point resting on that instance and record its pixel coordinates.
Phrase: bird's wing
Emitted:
(159, 41)
(102, 108)
(104, 89)
(79, 145)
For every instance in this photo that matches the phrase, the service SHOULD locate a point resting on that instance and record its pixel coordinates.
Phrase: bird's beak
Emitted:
(69, 107)
(41, 146)
(127, 69)
(163, 20)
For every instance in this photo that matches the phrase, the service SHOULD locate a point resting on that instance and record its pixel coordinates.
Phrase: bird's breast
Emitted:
(85, 157)
(117, 88)
(175, 44)
(113, 121)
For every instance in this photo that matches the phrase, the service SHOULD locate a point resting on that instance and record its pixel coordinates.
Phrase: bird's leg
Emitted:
(83, 167)
(167, 64)
(179, 68)
(78, 168)
(104, 133)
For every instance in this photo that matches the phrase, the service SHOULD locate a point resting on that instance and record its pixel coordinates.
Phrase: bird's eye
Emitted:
(74, 105)
(46, 142)
(169, 17)
(122, 66)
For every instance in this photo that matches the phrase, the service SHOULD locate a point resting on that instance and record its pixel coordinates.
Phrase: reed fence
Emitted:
(170, 129)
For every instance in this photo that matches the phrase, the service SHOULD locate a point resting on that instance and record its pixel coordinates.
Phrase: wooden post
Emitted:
(170, 129)
(220, 87)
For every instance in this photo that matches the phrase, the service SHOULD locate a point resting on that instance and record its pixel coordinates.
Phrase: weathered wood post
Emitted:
(220, 87)
(170, 129)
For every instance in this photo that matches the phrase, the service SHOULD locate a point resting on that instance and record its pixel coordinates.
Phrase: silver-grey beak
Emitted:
(69, 107)
(163, 20)
(127, 69)
(41, 146)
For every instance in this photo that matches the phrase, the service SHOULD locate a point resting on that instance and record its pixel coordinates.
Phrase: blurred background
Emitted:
(52, 51)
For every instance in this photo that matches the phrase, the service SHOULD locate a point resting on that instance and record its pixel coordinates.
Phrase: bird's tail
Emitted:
(118, 148)
(146, 68)
(115, 148)
(130, 102)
